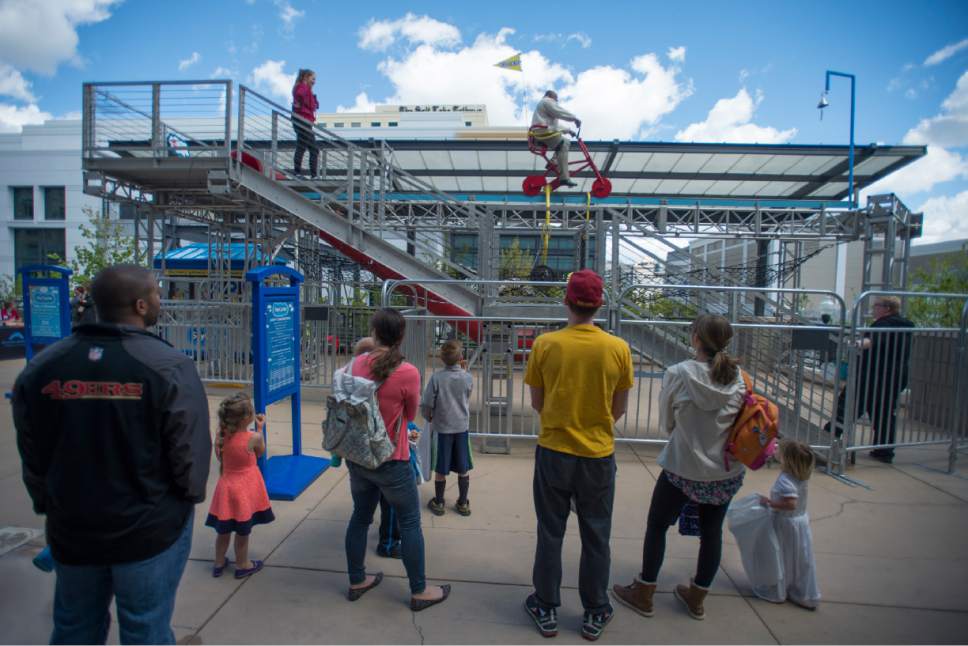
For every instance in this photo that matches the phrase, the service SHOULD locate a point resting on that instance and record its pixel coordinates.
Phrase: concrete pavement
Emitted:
(892, 561)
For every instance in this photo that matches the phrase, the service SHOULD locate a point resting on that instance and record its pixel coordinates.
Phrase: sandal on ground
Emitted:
(217, 571)
(249, 571)
(422, 604)
(355, 593)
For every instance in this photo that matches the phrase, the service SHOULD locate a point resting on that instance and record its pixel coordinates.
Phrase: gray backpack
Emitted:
(353, 428)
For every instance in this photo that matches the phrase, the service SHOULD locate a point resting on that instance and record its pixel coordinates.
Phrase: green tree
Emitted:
(105, 243)
(947, 275)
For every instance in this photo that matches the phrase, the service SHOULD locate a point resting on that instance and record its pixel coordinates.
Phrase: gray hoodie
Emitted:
(698, 414)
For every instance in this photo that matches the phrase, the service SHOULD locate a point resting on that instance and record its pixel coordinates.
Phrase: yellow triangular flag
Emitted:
(512, 63)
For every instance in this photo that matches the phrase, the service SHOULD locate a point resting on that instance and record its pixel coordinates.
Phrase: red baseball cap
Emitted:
(584, 289)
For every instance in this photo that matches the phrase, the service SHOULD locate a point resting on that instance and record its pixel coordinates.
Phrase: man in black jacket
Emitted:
(112, 427)
(882, 375)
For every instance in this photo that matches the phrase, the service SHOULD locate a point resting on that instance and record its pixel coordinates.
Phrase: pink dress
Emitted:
(240, 499)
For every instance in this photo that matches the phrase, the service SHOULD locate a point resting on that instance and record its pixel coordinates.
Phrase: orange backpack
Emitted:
(752, 437)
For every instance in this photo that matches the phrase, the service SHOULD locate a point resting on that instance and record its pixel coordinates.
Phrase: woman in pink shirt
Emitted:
(398, 397)
(304, 106)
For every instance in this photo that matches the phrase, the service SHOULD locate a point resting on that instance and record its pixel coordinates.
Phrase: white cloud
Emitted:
(950, 127)
(363, 104)
(378, 35)
(223, 73)
(946, 52)
(271, 76)
(39, 35)
(581, 38)
(731, 120)
(677, 54)
(13, 118)
(188, 62)
(13, 84)
(945, 218)
(939, 165)
(288, 14)
(621, 103)
(613, 102)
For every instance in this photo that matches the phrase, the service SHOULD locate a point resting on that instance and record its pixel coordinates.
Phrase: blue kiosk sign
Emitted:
(275, 350)
(47, 310)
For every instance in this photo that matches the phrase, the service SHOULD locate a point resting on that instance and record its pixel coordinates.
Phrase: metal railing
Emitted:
(909, 383)
(157, 119)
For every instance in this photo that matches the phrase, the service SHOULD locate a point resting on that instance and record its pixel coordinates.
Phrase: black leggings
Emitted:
(305, 140)
(667, 502)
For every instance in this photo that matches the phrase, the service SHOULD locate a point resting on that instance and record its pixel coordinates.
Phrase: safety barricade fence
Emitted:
(908, 385)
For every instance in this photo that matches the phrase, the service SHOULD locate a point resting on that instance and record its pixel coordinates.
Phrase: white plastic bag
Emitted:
(751, 524)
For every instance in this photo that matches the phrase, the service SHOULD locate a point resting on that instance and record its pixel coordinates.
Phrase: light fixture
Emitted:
(822, 103)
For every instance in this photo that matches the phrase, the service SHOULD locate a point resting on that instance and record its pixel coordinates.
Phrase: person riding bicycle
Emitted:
(546, 131)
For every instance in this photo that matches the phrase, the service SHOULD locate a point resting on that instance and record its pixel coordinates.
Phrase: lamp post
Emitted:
(824, 103)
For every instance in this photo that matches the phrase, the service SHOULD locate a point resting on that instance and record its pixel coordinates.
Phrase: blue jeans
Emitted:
(394, 479)
(144, 591)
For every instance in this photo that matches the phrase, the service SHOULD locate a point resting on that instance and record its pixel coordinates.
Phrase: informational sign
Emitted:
(281, 347)
(275, 354)
(45, 311)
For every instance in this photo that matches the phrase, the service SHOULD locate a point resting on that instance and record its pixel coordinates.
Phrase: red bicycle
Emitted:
(535, 184)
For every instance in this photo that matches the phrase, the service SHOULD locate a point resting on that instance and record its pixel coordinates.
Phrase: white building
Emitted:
(42, 206)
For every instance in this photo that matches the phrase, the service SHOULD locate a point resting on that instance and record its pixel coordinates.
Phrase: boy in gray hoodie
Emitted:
(445, 405)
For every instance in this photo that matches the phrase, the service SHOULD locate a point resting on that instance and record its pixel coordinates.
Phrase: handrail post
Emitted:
(962, 368)
(88, 120)
(240, 144)
(157, 137)
(228, 119)
(275, 140)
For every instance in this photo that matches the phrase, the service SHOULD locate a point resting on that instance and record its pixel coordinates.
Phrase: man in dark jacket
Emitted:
(112, 427)
(882, 375)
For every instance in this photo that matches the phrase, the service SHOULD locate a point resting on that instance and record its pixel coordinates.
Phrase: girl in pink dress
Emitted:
(240, 499)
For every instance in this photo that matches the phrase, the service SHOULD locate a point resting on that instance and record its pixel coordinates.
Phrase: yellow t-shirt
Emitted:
(579, 368)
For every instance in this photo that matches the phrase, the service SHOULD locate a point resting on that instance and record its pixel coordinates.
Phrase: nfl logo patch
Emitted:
(95, 353)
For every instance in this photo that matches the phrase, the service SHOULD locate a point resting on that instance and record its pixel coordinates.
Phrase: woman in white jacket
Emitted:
(698, 403)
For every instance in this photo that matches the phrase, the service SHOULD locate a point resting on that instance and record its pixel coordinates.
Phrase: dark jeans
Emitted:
(394, 480)
(667, 502)
(881, 407)
(143, 590)
(305, 140)
(389, 525)
(559, 477)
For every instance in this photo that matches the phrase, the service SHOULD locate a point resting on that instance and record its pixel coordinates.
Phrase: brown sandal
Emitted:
(355, 593)
(422, 604)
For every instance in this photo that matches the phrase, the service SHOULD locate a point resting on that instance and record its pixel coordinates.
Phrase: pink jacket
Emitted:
(304, 102)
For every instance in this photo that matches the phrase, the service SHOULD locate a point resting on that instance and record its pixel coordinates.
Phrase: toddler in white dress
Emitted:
(788, 503)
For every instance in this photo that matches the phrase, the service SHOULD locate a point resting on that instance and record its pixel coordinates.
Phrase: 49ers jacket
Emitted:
(112, 427)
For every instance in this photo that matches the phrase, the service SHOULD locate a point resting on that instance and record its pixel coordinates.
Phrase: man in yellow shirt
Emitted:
(580, 378)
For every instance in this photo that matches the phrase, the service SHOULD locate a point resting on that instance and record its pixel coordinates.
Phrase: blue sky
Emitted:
(633, 70)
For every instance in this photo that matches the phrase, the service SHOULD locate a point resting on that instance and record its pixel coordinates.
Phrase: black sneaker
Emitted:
(567, 182)
(593, 623)
(394, 552)
(546, 619)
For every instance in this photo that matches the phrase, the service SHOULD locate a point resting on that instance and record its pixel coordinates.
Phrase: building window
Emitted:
(127, 211)
(463, 249)
(54, 208)
(23, 202)
(321, 124)
(374, 124)
(38, 246)
(467, 124)
(392, 124)
(354, 124)
(338, 124)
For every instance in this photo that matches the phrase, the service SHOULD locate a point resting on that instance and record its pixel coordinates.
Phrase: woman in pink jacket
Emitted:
(304, 106)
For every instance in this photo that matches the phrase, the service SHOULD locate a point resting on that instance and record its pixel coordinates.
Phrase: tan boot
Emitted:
(637, 596)
(692, 597)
